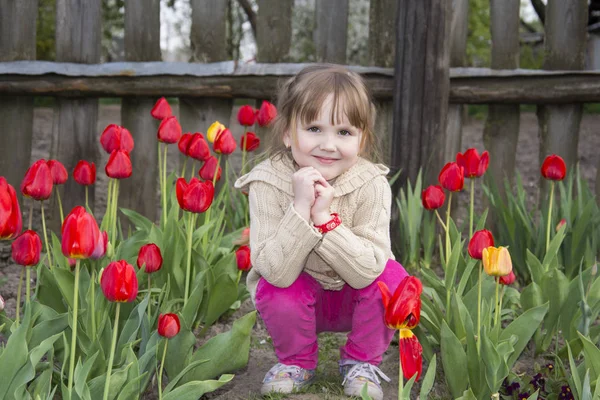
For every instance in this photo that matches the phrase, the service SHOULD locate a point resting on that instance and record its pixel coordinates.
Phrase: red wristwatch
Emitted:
(330, 225)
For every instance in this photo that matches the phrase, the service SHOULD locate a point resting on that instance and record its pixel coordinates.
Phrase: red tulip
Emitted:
(118, 165)
(452, 177)
(26, 248)
(184, 142)
(246, 115)
(195, 196)
(198, 147)
(119, 282)
(249, 141)
(80, 234)
(560, 224)
(403, 309)
(169, 130)
(85, 173)
(266, 114)
(150, 257)
(480, 240)
(101, 246)
(168, 325)
(410, 354)
(242, 255)
(473, 164)
(37, 182)
(115, 137)
(433, 197)
(224, 142)
(11, 221)
(508, 279)
(58, 171)
(207, 172)
(161, 109)
(554, 168)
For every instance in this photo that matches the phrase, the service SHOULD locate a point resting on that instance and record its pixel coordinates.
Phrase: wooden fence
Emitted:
(416, 91)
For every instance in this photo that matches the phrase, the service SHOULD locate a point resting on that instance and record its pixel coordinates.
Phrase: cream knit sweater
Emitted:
(283, 244)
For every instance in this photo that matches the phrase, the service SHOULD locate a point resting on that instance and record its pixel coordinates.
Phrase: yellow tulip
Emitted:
(496, 261)
(212, 131)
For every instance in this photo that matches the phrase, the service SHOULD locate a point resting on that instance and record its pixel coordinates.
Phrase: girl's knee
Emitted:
(302, 291)
(392, 275)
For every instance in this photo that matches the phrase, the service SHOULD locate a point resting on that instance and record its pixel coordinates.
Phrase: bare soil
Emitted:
(246, 384)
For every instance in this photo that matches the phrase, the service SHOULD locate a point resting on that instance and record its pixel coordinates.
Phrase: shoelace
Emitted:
(278, 368)
(365, 370)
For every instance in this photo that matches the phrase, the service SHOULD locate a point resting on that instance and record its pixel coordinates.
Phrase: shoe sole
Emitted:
(374, 392)
(283, 386)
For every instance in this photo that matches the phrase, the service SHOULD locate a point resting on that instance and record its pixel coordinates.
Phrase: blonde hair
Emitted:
(302, 97)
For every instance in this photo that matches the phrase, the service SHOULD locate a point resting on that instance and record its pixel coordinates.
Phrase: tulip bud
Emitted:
(433, 197)
(26, 249)
(195, 196)
(169, 130)
(207, 172)
(246, 115)
(161, 109)
(37, 182)
(452, 177)
(244, 239)
(249, 141)
(11, 221)
(266, 114)
(119, 282)
(118, 165)
(213, 130)
(150, 257)
(561, 224)
(58, 172)
(184, 142)
(508, 279)
(115, 137)
(224, 142)
(496, 261)
(242, 255)
(80, 234)
(198, 147)
(101, 246)
(480, 240)
(85, 173)
(473, 164)
(168, 325)
(554, 168)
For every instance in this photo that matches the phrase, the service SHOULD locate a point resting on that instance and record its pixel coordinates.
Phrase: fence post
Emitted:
(208, 39)
(382, 21)
(331, 30)
(17, 42)
(565, 43)
(75, 136)
(421, 88)
(142, 43)
(501, 130)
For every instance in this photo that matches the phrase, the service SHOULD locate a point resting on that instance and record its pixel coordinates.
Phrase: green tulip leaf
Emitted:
(173, 382)
(221, 296)
(454, 361)
(523, 329)
(592, 357)
(139, 221)
(195, 389)
(81, 376)
(131, 327)
(427, 383)
(14, 355)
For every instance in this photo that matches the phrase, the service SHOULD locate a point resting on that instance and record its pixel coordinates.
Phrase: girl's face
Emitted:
(330, 149)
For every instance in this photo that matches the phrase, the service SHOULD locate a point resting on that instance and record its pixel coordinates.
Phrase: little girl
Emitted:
(319, 232)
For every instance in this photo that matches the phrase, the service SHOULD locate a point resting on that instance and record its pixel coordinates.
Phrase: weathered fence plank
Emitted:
(501, 130)
(274, 30)
(565, 44)
(142, 43)
(421, 88)
(382, 50)
(17, 42)
(331, 30)
(78, 35)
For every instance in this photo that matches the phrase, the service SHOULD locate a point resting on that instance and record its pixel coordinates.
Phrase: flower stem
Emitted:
(108, 212)
(93, 283)
(164, 193)
(46, 237)
(162, 365)
(30, 214)
(60, 207)
(112, 352)
(448, 229)
(471, 208)
(437, 214)
(497, 307)
(183, 170)
(238, 277)
(27, 283)
(162, 188)
(208, 212)
(500, 304)
(114, 211)
(190, 231)
(87, 206)
(400, 379)
(244, 140)
(74, 328)
(479, 308)
(19, 297)
(149, 296)
(549, 215)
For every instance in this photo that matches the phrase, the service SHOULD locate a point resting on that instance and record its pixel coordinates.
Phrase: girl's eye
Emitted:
(345, 133)
(313, 129)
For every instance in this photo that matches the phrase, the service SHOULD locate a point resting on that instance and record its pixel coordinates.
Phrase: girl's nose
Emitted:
(327, 144)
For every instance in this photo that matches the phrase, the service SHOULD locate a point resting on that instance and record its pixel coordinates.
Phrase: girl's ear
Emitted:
(286, 140)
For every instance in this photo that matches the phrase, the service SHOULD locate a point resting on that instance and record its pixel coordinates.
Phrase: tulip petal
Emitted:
(386, 295)
(410, 354)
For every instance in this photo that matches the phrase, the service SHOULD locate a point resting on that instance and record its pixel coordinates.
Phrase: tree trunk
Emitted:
(75, 136)
(142, 43)
(501, 130)
(331, 30)
(421, 88)
(565, 44)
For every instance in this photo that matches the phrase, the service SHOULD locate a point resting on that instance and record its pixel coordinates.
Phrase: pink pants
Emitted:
(296, 314)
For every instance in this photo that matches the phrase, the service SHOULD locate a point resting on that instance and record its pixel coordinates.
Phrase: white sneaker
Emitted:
(285, 378)
(356, 374)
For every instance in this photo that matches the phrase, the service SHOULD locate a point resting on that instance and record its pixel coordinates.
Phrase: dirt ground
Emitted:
(246, 384)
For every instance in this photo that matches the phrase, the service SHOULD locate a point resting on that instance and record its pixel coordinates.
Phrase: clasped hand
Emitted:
(312, 195)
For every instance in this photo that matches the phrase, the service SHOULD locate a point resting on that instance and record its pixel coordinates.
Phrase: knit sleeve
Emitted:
(358, 254)
(280, 239)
